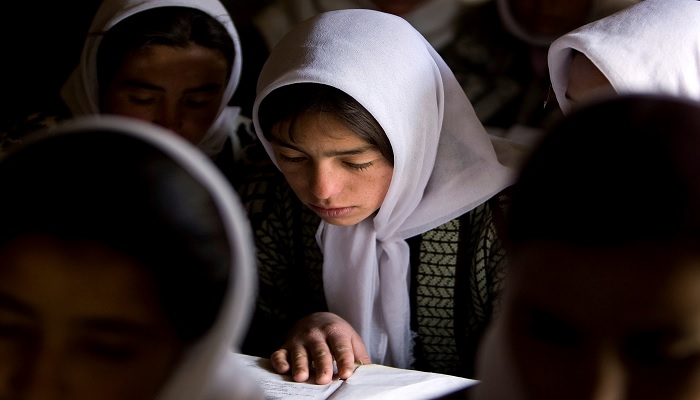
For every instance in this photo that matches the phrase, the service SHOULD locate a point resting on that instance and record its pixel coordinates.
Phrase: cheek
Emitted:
(13, 353)
(87, 376)
(196, 124)
(534, 362)
(298, 181)
(689, 387)
(381, 185)
(544, 368)
(546, 372)
(297, 174)
(203, 116)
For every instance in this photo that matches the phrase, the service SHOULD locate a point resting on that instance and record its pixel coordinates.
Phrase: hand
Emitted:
(319, 338)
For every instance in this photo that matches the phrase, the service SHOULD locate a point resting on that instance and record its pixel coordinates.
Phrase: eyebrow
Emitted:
(15, 305)
(335, 153)
(209, 87)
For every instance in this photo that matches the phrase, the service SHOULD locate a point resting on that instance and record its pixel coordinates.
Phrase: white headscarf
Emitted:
(207, 369)
(444, 161)
(434, 19)
(80, 92)
(652, 46)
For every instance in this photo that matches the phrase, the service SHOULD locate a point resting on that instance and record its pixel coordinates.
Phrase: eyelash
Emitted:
(142, 100)
(291, 159)
(197, 104)
(108, 351)
(359, 167)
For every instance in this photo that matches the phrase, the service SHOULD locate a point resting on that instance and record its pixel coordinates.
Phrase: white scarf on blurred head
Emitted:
(650, 47)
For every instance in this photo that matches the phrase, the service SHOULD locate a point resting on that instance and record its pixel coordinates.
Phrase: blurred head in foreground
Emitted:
(127, 267)
(603, 299)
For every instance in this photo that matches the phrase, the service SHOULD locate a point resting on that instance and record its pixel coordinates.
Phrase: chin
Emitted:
(339, 222)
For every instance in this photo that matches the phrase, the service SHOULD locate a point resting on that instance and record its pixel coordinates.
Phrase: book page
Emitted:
(282, 387)
(368, 382)
(386, 383)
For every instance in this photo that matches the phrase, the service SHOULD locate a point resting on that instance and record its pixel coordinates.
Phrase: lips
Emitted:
(324, 212)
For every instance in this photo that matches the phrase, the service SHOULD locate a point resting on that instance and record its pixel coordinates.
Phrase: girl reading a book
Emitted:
(377, 239)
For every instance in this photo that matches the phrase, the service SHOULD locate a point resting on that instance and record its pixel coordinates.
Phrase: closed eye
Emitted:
(360, 167)
(290, 159)
(141, 100)
(198, 104)
(200, 100)
(108, 351)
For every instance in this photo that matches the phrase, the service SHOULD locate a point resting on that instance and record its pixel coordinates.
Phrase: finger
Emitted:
(323, 364)
(344, 355)
(360, 351)
(300, 364)
(279, 360)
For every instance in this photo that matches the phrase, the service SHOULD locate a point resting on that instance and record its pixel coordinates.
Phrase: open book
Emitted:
(368, 382)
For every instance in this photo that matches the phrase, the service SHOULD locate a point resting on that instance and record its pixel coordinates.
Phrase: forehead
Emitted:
(77, 279)
(315, 128)
(643, 284)
(191, 62)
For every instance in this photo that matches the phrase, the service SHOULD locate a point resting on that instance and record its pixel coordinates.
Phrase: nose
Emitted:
(607, 377)
(169, 116)
(325, 181)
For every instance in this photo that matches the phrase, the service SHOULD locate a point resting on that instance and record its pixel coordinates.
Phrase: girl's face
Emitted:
(605, 324)
(178, 88)
(80, 321)
(339, 176)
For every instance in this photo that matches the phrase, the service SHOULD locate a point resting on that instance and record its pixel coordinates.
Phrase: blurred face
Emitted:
(178, 88)
(622, 323)
(398, 7)
(550, 17)
(79, 321)
(586, 81)
(334, 172)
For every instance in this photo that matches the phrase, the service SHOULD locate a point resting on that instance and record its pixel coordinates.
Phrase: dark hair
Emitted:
(166, 26)
(619, 171)
(292, 101)
(121, 192)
